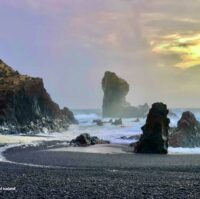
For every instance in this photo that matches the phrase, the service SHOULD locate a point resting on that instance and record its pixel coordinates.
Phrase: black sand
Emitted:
(100, 175)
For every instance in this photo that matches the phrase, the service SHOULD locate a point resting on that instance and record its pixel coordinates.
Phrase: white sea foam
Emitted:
(87, 117)
(8, 146)
(86, 125)
(181, 150)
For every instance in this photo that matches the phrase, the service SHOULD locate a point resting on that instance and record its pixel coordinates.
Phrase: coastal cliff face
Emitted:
(155, 132)
(114, 102)
(25, 105)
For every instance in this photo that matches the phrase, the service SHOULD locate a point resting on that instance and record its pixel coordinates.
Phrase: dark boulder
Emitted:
(70, 115)
(86, 140)
(98, 122)
(155, 132)
(26, 107)
(187, 133)
(114, 102)
(117, 122)
(188, 121)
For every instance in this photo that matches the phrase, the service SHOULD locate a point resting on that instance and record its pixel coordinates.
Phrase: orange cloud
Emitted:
(187, 47)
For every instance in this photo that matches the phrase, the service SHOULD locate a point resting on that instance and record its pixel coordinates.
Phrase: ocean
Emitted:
(107, 132)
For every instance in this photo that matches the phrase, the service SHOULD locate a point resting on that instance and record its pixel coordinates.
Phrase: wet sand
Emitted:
(98, 149)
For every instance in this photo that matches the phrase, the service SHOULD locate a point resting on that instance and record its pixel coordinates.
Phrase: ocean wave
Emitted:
(87, 117)
(181, 150)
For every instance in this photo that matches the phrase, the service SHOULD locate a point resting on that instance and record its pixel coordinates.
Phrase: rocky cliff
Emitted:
(25, 105)
(114, 102)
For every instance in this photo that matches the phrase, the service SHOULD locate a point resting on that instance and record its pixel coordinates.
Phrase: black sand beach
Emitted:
(85, 175)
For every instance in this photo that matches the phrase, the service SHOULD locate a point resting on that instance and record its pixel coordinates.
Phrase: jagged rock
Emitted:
(86, 140)
(98, 122)
(26, 107)
(155, 132)
(117, 122)
(114, 102)
(187, 133)
(188, 121)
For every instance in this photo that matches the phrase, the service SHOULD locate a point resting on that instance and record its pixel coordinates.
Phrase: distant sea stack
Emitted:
(187, 133)
(114, 102)
(155, 132)
(26, 107)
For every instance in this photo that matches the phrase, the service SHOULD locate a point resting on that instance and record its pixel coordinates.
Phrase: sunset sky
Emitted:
(153, 44)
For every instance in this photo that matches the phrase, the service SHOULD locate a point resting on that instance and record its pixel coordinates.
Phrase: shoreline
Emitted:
(78, 175)
(60, 154)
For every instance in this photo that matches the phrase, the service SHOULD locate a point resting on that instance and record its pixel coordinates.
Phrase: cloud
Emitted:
(187, 48)
(146, 42)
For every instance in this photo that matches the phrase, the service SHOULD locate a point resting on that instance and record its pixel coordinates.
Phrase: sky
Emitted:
(153, 44)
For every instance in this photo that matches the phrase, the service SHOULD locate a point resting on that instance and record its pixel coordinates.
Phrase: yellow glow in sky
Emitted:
(186, 47)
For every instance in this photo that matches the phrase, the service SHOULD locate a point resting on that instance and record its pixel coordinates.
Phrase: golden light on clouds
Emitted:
(186, 47)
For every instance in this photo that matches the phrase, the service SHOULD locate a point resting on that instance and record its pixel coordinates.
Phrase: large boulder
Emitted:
(114, 102)
(86, 140)
(155, 132)
(26, 107)
(187, 133)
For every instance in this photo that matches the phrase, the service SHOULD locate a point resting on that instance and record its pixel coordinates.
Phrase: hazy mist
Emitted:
(154, 45)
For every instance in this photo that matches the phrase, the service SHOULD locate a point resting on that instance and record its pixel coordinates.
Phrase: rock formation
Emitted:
(117, 122)
(98, 122)
(155, 132)
(26, 107)
(187, 133)
(86, 140)
(114, 102)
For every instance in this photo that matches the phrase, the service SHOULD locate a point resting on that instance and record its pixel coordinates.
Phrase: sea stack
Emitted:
(155, 132)
(26, 107)
(114, 102)
(187, 133)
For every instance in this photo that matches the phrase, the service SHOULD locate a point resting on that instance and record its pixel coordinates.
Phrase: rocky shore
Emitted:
(26, 107)
(187, 132)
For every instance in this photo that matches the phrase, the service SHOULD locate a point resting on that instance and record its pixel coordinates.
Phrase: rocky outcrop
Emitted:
(98, 122)
(117, 122)
(86, 140)
(26, 107)
(187, 133)
(114, 102)
(155, 132)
